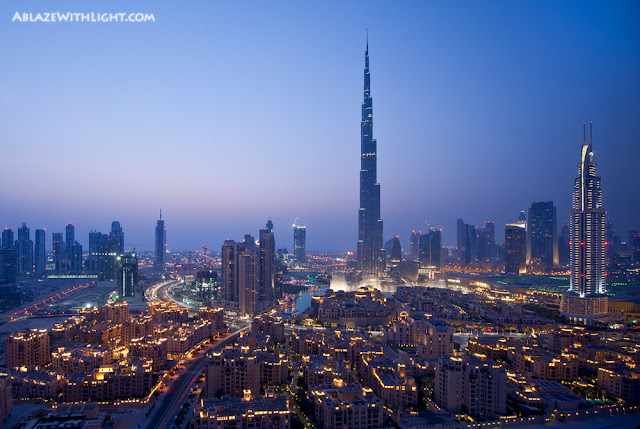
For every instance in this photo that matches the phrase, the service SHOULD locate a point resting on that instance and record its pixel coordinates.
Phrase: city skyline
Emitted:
(478, 114)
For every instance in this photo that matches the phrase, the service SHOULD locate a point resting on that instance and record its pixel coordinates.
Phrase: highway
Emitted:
(174, 398)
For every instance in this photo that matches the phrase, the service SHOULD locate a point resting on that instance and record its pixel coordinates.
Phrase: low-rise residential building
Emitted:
(270, 412)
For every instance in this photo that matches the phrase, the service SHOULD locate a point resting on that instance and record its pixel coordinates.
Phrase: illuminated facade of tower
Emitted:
(127, 280)
(370, 254)
(161, 243)
(587, 246)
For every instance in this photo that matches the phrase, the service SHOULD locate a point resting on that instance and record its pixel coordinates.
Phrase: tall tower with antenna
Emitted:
(371, 258)
(587, 245)
(161, 246)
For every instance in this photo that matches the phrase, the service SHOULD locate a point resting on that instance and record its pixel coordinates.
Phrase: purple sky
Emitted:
(226, 113)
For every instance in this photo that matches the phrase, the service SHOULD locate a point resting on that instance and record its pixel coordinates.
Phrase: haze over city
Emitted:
(225, 114)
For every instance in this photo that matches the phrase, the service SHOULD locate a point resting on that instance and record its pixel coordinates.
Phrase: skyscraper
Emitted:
(431, 249)
(299, 244)
(229, 270)
(7, 239)
(414, 244)
(118, 235)
(57, 247)
(542, 235)
(73, 251)
(161, 244)
(266, 270)
(127, 275)
(515, 246)
(587, 227)
(487, 241)
(370, 253)
(247, 280)
(587, 245)
(467, 242)
(24, 251)
(40, 253)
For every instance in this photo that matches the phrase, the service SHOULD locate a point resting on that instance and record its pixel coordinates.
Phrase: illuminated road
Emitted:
(159, 291)
(28, 309)
(177, 393)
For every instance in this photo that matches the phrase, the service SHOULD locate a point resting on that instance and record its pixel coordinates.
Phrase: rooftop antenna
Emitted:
(367, 38)
(160, 214)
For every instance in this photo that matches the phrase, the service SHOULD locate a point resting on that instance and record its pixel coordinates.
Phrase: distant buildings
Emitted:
(7, 239)
(248, 272)
(542, 236)
(24, 251)
(248, 278)
(371, 259)
(414, 244)
(430, 253)
(267, 264)
(104, 250)
(40, 265)
(299, 245)
(161, 246)
(73, 251)
(515, 243)
(229, 270)
(466, 242)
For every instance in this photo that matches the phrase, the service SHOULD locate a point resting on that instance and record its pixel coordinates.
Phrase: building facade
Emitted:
(542, 235)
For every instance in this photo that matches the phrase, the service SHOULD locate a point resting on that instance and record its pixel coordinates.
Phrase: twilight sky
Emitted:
(225, 113)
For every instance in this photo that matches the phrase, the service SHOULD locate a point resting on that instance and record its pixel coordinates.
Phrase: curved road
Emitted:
(180, 389)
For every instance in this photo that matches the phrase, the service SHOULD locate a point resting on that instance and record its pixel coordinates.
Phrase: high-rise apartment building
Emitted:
(161, 245)
(431, 249)
(104, 250)
(371, 259)
(267, 265)
(487, 242)
(118, 235)
(229, 270)
(299, 244)
(467, 242)
(515, 244)
(587, 245)
(127, 275)
(8, 239)
(248, 280)
(542, 235)
(7, 265)
(24, 251)
(73, 251)
(414, 244)
(40, 259)
(57, 247)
